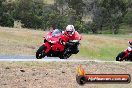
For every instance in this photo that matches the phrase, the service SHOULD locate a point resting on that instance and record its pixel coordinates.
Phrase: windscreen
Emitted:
(56, 33)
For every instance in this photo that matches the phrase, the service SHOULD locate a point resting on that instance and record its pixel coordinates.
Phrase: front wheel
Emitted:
(40, 53)
(120, 56)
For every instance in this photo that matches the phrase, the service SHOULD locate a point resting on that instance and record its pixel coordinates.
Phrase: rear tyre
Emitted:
(130, 56)
(40, 53)
(62, 57)
(65, 56)
(120, 56)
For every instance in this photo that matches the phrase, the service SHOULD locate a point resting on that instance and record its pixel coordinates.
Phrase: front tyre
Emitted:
(120, 56)
(40, 53)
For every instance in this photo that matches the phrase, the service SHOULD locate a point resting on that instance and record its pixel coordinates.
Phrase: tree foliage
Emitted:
(6, 18)
(103, 14)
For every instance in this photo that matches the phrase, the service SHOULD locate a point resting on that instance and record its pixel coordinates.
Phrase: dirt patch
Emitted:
(57, 74)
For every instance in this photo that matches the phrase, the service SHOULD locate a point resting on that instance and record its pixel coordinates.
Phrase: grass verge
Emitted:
(25, 42)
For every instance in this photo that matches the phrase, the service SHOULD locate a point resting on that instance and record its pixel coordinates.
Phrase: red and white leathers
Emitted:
(71, 33)
(128, 50)
(71, 42)
(75, 36)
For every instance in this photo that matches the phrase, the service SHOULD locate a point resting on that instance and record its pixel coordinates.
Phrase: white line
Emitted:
(62, 60)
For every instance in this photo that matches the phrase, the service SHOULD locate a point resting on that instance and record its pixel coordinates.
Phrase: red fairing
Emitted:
(47, 45)
(126, 53)
(58, 47)
(52, 43)
(128, 50)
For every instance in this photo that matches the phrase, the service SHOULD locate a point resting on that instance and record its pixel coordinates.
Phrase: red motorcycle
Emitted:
(124, 55)
(53, 46)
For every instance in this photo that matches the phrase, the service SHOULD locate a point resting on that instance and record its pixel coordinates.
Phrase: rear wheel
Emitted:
(130, 56)
(40, 53)
(65, 56)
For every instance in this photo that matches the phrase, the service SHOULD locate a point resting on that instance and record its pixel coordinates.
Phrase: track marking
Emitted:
(62, 60)
(16, 58)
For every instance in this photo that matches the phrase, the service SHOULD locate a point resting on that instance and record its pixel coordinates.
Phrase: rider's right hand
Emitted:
(61, 41)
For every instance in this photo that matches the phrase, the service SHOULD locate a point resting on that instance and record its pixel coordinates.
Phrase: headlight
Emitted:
(74, 41)
(52, 41)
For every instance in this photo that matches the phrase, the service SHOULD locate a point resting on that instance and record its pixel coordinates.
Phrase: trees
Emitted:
(76, 13)
(128, 17)
(106, 13)
(6, 18)
(29, 12)
(97, 15)
(103, 14)
(115, 11)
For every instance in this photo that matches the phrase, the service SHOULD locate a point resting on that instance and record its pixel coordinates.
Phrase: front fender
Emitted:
(47, 47)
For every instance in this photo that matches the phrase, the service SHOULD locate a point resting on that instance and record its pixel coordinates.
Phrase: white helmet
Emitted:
(130, 42)
(70, 29)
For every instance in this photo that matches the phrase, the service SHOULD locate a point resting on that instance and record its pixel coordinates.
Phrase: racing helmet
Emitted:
(130, 42)
(70, 30)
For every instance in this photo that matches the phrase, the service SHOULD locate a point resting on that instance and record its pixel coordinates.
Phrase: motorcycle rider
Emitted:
(71, 35)
(130, 44)
(128, 51)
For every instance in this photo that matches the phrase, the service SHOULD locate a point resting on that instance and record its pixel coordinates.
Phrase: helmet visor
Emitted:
(130, 43)
(69, 32)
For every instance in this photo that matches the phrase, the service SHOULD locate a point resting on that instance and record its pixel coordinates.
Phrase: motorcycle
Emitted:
(124, 56)
(53, 46)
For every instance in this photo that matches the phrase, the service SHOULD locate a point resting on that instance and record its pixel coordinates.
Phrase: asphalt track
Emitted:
(16, 58)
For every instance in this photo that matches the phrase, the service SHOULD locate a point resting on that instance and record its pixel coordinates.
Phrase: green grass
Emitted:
(103, 53)
(25, 42)
(103, 47)
(19, 41)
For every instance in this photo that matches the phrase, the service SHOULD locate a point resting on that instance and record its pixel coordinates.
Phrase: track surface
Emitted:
(56, 75)
(49, 59)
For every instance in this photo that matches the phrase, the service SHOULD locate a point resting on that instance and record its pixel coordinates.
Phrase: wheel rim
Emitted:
(119, 58)
(40, 53)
